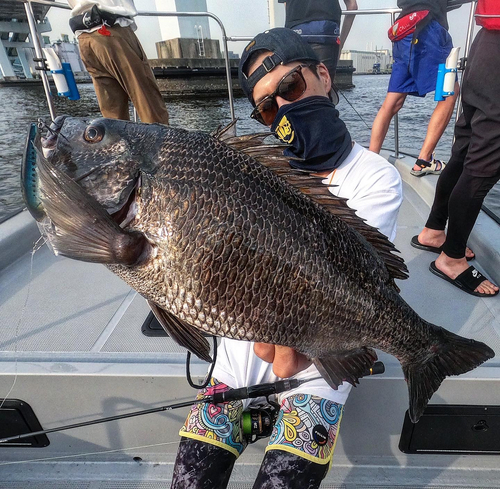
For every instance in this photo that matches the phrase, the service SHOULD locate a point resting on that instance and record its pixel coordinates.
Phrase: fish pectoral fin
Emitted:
(82, 229)
(183, 333)
(347, 366)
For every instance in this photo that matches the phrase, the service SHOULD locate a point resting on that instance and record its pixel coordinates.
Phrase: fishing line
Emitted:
(21, 318)
(48, 459)
(209, 374)
(43, 125)
(352, 107)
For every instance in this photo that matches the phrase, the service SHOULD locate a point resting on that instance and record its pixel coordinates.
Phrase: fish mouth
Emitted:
(49, 142)
(122, 211)
(128, 211)
(122, 215)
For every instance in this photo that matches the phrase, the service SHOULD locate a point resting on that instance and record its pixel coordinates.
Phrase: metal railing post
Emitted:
(396, 117)
(224, 41)
(38, 50)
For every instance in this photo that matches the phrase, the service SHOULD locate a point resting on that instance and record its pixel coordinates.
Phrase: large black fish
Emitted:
(217, 242)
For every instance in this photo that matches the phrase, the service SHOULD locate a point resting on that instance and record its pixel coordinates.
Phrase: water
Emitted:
(22, 105)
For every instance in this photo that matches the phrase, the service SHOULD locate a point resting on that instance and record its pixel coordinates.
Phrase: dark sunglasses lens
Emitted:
(292, 86)
(289, 89)
(266, 111)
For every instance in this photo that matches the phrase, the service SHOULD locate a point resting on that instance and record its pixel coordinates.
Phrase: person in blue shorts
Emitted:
(416, 61)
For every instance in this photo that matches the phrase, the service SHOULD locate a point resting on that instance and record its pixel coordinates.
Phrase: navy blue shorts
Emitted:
(416, 66)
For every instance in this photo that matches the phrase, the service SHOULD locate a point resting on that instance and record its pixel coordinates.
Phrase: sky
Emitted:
(249, 17)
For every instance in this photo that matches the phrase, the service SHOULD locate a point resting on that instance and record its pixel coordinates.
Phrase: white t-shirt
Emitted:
(373, 187)
(116, 7)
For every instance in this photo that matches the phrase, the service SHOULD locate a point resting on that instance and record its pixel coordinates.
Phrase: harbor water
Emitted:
(358, 107)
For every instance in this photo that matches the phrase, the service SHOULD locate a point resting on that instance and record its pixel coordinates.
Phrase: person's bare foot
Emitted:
(454, 267)
(433, 237)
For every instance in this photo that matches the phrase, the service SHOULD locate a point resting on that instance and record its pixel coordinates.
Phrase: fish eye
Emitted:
(93, 134)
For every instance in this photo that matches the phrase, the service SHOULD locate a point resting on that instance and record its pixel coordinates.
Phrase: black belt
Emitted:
(93, 18)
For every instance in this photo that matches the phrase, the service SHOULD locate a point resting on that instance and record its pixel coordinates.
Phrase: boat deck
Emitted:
(71, 346)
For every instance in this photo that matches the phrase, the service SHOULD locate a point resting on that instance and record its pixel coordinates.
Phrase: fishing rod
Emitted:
(250, 392)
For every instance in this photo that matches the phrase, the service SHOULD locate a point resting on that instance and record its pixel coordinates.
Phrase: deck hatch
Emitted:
(151, 327)
(16, 418)
(453, 429)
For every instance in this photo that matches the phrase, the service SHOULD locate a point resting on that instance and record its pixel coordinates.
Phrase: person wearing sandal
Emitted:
(423, 167)
(420, 43)
(474, 166)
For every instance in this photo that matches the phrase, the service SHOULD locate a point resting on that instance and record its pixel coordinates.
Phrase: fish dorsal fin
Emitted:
(271, 156)
(182, 333)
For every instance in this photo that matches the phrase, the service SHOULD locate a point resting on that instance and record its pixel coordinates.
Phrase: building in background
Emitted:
(68, 53)
(369, 62)
(16, 48)
(184, 27)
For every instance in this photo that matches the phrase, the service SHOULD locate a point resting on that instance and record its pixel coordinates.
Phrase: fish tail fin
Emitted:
(80, 228)
(451, 355)
(348, 366)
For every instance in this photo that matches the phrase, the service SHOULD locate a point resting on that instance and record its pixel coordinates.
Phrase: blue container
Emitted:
(73, 93)
(440, 94)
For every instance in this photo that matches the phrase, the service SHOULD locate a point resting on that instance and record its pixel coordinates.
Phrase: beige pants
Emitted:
(120, 71)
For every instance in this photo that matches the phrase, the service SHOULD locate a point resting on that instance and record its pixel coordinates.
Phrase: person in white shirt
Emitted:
(289, 88)
(115, 59)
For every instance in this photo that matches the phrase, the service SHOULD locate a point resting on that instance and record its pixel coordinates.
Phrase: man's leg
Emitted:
(212, 439)
(283, 470)
(113, 99)
(301, 447)
(391, 106)
(464, 206)
(119, 56)
(200, 465)
(438, 123)
(328, 54)
(433, 233)
(140, 82)
(481, 172)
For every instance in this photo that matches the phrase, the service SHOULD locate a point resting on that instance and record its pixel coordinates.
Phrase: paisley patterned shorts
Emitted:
(217, 424)
(306, 426)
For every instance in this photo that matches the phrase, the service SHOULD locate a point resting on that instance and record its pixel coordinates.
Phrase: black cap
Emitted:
(286, 46)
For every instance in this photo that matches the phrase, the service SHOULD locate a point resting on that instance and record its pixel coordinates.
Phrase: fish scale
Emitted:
(222, 243)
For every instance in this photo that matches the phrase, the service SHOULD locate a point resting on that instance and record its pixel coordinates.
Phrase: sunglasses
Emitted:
(290, 88)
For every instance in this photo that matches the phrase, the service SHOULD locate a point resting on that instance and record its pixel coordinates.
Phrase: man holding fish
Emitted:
(290, 91)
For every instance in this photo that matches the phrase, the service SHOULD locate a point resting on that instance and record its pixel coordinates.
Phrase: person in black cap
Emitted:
(289, 89)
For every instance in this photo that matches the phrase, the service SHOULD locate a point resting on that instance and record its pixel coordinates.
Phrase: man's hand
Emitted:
(286, 361)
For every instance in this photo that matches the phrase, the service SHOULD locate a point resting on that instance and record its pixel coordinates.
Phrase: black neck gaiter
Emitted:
(315, 133)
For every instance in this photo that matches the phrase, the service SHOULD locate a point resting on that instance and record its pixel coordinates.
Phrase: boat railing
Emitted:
(225, 39)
